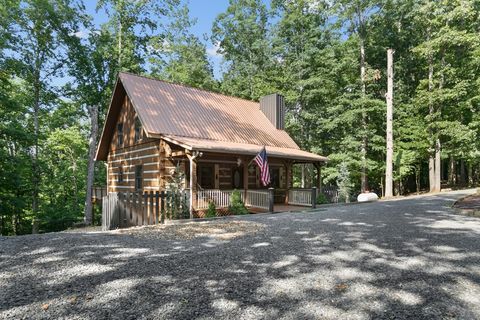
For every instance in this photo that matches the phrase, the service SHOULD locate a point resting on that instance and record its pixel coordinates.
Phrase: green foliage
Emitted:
(344, 184)
(236, 204)
(180, 56)
(241, 33)
(177, 206)
(211, 210)
(322, 199)
(309, 51)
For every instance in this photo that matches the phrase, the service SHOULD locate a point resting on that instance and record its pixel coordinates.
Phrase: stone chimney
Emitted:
(273, 106)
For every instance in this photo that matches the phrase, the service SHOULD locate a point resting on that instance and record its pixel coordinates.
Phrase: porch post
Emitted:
(193, 181)
(314, 197)
(271, 199)
(288, 173)
(319, 176)
(245, 179)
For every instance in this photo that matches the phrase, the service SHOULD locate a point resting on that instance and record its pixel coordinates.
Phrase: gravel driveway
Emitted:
(411, 258)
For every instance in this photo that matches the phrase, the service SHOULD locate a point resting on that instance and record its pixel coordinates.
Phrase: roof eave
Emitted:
(101, 153)
(273, 154)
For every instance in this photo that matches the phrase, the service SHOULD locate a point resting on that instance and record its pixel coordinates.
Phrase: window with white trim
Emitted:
(138, 129)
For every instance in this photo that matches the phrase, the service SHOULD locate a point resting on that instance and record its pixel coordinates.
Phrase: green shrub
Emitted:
(236, 204)
(322, 199)
(211, 211)
(344, 183)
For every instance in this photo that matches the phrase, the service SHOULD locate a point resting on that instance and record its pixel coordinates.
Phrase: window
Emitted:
(275, 177)
(205, 176)
(138, 177)
(120, 174)
(120, 134)
(138, 129)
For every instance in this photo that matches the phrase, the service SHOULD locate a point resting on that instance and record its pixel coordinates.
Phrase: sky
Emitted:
(205, 11)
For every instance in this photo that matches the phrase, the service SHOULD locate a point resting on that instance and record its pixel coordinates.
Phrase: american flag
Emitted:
(262, 162)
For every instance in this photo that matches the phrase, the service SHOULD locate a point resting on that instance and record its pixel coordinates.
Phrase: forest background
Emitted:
(327, 57)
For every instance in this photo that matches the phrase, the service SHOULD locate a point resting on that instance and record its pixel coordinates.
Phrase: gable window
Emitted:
(120, 174)
(138, 129)
(138, 177)
(120, 134)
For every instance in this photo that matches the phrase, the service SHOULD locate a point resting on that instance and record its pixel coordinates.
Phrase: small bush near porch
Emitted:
(236, 204)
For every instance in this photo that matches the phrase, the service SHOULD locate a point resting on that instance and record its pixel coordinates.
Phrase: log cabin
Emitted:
(158, 133)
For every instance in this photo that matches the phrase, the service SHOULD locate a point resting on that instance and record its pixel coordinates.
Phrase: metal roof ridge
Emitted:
(186, 86)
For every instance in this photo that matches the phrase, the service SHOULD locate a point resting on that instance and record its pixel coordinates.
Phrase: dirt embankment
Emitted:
(469, 205)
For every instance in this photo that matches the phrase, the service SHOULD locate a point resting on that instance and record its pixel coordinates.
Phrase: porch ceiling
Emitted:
(243, 149)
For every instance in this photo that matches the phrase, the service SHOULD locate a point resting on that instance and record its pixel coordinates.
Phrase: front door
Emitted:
(237, 178)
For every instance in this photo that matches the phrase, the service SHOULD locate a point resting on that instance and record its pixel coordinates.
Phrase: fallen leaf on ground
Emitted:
(45, 306)
(73, 300)
(341, 287)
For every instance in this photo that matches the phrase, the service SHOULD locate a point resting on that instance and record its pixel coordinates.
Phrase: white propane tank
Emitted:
(367, 197)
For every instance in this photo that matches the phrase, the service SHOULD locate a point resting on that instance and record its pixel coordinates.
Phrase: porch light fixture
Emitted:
(239, 162)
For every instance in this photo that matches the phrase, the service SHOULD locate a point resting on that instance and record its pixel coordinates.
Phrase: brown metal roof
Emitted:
(243, 148)
(168, 109)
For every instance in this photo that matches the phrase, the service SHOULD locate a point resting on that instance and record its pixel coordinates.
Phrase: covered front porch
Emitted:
(213, 169)
(212, 177)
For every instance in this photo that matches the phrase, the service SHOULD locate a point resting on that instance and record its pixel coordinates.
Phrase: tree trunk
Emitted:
(470, 173)
(75, 185)
(431, 173)
(431, 158)
(417, 179)
(389, 98)
(438, 171)
(36, 131)
(303, 175)
(452, 174)
(438, 148)
(120, 43)
(364, 143)
(92, 147)
(463, 179)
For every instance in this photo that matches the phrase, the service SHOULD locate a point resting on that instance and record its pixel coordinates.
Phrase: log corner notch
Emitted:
(192, 157)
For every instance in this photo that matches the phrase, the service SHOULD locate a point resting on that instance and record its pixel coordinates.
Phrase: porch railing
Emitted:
(300, 197)
(221, 198)
(258, 199)
(126, 209)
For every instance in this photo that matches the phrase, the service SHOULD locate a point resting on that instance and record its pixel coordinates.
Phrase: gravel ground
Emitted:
(410, 258)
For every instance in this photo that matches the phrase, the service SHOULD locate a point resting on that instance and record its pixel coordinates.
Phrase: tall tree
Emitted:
(304, 70)
(179, 55)
(97, 55)
(242, 37)
(355, 14)
(93, 72)
(389, 98)
(449, 45)
(40, 25)
(132, 24)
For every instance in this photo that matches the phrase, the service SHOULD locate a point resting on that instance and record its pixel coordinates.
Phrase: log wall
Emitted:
(124, 158)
